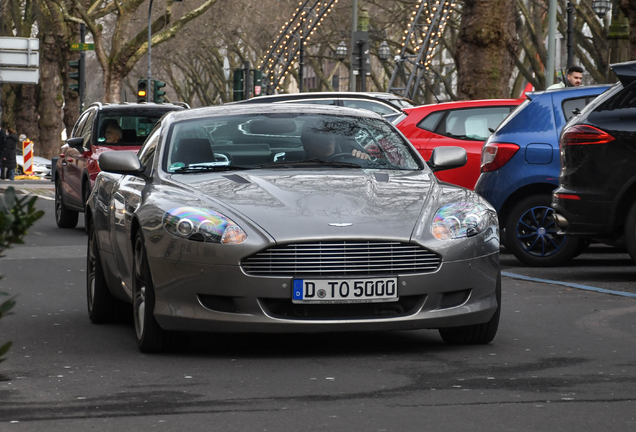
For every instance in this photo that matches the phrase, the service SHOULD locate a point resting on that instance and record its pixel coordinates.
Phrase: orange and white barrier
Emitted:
(27, 152)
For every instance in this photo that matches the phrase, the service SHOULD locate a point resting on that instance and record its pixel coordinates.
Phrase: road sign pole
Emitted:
(149, 78)
(82, 69)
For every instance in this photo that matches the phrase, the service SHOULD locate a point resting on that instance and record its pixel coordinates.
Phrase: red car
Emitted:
(464, 124)
(76, 170)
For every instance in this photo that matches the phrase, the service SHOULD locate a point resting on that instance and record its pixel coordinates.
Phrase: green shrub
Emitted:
(16, 216)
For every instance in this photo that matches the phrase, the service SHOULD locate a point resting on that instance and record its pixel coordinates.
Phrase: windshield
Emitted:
(256, 141)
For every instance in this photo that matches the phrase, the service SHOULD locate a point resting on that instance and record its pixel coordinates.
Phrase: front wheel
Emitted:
(150, 336)
(64, 218)
(531, 234)
(630, 232)
(101, 303)
(477, 334)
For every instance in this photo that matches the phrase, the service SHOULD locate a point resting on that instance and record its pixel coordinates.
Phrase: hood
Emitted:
(303, 204)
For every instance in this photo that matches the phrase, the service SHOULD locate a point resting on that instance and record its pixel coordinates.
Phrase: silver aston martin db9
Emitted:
(289, 218)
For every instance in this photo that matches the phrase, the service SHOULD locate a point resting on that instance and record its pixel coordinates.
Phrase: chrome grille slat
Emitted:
(342, 258)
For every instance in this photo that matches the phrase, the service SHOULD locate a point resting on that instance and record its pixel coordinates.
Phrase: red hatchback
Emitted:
(464, 124)
(100, 128)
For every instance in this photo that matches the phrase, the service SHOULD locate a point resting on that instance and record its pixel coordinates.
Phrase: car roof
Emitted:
(464, 104)
(582, 90)
(123, 106)
(326, 95)
(272, 109)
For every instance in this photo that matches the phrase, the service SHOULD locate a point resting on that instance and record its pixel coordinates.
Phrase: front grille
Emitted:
(345, 258)
(286, 309)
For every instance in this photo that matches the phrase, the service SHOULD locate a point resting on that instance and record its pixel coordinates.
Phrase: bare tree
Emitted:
(487, 47)
(629, 7)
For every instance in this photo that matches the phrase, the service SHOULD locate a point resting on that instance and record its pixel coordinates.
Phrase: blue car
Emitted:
(520, 168)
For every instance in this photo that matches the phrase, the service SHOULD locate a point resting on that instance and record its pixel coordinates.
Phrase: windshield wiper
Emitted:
(309, 162)
(203, 168)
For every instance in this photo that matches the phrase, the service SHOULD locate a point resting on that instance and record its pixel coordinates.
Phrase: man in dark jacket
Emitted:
(9, 153)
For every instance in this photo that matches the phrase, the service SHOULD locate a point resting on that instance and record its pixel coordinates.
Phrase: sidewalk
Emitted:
(42, 188)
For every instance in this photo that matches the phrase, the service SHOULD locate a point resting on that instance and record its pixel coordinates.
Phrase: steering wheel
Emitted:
(340, 156)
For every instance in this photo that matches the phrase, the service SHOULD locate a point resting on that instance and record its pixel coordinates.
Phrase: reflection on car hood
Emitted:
(303, 205)
(97, 149)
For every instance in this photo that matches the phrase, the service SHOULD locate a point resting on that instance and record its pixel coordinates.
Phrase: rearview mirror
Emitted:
(120, 162)
(444, 158)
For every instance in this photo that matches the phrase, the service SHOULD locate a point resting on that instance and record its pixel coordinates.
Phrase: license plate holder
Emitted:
(337, 291)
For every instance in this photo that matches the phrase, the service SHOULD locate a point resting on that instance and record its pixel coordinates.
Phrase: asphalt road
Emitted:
(564, 360)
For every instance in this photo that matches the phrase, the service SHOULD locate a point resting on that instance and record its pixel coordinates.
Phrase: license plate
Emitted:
(329, 291)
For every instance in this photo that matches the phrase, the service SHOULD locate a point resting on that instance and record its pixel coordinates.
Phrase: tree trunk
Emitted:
(51, 99)
(26, 118)
(629, 7)
(487, 47)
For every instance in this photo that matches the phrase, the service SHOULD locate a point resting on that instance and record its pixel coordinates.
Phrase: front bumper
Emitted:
(201, 297)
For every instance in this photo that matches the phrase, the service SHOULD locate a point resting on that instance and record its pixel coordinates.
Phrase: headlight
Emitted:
(202, 225)
(460, 220)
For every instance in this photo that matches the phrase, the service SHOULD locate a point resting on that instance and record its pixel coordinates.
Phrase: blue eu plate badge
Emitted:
(298, 289)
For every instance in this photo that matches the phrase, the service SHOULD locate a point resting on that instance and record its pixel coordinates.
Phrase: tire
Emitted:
(531, 234)
(102, 306)
(64, 217)
(86, 188)
(151, 337)
(630, 232)
(477, 334)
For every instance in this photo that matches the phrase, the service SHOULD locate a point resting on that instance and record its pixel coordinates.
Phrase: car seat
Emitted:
(193, 150)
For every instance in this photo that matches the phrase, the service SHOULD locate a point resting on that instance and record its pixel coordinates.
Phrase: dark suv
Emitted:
(597, 187)
(77, 167)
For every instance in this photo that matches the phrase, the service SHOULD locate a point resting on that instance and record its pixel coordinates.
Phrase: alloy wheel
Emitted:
(537, 232)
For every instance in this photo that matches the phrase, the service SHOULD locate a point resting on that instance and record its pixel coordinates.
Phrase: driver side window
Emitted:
(147, 152)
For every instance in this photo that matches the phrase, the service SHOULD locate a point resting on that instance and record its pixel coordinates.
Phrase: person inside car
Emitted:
(323, 145)
(113, 132)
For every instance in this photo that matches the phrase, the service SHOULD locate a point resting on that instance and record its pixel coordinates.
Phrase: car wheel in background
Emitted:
(150, 336)
(101, 303)
(64, 217)
(630, 232)
(477, 334)
(531, 234)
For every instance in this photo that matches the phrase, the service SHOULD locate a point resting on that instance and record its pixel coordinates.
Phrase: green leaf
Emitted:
(4, 349)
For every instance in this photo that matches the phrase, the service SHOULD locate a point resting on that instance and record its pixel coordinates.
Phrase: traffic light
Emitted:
(142, 90)
(157, 93)
(74, 76)
(258, 82)
(238, 85)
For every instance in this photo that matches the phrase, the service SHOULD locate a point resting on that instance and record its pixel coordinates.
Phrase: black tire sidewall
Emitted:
(567, 251)
(153, 336)
(630, 232)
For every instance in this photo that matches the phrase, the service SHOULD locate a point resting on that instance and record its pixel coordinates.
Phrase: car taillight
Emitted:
(496, 155)
(558, 195)
(584, 135)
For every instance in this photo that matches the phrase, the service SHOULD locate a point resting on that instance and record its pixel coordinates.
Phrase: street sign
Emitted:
(19, 75)
(83, 47)
(18, 43)
(19, 58)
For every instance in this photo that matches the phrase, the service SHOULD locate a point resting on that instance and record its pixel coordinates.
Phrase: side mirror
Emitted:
(120, 162)
(444, 158)
(76, 143)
